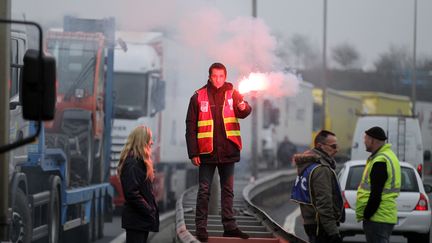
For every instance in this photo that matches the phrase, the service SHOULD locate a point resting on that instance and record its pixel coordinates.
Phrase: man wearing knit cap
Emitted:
(379, 188)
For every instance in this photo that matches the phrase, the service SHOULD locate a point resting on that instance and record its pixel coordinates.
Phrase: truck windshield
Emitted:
(76, 62)
(131, 99)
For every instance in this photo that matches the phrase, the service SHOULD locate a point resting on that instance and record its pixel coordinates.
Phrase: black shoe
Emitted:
(235, 233)
(202, 238)
(202, 235)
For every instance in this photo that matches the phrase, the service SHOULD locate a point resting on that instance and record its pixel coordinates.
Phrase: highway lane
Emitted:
(288, 215)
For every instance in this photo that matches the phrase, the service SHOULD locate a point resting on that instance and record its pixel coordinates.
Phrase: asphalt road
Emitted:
(281, 211)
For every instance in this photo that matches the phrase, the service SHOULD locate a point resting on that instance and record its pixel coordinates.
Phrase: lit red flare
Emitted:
(255, 82)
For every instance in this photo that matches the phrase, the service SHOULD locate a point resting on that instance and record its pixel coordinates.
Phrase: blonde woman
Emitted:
(140, 213)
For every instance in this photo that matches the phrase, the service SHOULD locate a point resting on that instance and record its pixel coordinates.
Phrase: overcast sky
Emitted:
(370, 26)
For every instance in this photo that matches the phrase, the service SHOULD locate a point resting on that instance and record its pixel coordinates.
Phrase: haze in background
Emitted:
(223, 29)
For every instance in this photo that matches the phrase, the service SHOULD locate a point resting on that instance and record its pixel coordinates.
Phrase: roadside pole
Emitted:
(5, 8)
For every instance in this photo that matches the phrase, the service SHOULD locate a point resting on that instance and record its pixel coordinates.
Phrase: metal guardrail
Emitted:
(182, 234)
(258, 187)
(252, 190)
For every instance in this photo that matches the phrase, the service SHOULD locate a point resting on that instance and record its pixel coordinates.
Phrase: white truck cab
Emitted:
(403, 133)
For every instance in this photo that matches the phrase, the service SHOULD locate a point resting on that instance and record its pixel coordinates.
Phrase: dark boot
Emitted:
(202, 235)
(202, 238)
(235, 233)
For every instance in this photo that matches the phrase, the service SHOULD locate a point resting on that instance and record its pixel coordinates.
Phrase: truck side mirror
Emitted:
(157, 97)
(38, 86)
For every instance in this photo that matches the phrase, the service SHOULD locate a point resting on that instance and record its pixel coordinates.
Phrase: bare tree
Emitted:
(282, 49)
(345, 55)
(425, 64)
(303, 53)
(395, 59)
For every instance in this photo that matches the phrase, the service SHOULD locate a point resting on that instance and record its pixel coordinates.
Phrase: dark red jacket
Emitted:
(224, 150)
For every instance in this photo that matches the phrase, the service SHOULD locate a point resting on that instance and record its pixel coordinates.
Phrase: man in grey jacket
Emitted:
(317, 190)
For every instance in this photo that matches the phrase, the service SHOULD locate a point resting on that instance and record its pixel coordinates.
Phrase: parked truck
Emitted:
(344, 107)
(277, 118)
(424, 114)
(383, 103)
(139, 99)
(81, 50)
(341, 116)
(44, 201)
(403, 133)
(148, 91)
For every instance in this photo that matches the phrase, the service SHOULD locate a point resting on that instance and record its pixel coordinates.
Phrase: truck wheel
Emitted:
(21, 231)
(54, 230)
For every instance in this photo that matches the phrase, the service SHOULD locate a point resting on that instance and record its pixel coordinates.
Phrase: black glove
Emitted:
(336, 238)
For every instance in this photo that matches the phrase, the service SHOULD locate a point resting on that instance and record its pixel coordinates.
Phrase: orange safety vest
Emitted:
(206, 126)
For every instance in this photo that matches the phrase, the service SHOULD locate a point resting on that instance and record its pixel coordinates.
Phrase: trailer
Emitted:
(46, 201)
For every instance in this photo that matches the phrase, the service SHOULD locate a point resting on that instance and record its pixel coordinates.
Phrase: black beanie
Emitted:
(377, 133)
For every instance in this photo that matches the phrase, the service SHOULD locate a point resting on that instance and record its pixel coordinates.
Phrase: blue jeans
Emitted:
(226, 175)
(377, 232)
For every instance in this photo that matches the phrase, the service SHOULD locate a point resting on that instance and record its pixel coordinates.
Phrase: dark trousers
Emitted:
(377, 232)
(321, 237)
(226, 176)
(135, 236)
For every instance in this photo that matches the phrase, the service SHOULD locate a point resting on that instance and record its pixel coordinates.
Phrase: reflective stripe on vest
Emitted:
(366, 186)
(206, 124)
(387, 210)
(231, 123)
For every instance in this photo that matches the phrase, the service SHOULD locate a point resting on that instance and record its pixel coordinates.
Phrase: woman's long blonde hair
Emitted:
(138, 145)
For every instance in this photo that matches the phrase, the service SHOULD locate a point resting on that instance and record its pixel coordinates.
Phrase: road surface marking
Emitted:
(120, 239)
(290, 221)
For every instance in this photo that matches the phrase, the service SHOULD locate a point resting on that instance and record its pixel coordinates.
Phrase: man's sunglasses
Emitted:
(333, 146)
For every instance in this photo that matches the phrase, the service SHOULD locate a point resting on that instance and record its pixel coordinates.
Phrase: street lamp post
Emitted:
(324, 65)
(413, 72)
(254, 101)
(254, 137)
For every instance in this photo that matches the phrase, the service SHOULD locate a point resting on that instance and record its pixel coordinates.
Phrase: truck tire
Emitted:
(21, 225)
(54, 229)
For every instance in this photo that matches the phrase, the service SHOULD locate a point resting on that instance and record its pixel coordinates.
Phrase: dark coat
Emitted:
(328, 208)
(140, 210)
(224, 150)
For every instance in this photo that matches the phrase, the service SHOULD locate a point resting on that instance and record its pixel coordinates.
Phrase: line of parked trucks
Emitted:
(108, 82)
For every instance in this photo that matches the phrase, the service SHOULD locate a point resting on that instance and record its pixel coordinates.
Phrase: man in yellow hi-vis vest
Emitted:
(213, 141)
(379, 188)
